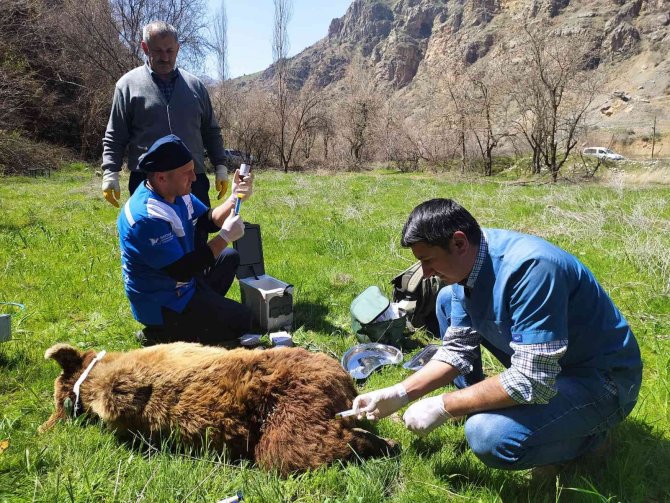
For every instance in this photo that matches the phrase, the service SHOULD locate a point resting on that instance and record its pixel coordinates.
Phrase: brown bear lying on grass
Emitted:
(276, 407)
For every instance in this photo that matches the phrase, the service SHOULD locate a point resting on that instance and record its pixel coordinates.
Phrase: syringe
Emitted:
(346, 413)
(238, 203)
(244, 172)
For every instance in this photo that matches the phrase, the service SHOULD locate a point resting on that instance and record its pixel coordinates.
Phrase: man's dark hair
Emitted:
(435, 221)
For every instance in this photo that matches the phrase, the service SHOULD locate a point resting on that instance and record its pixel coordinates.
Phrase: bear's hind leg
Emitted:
(366, 444)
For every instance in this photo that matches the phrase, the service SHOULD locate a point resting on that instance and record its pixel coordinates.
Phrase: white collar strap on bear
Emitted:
(82, 378)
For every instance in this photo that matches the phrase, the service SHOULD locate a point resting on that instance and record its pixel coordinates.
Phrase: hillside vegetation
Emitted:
(415, 82)
(460, 83)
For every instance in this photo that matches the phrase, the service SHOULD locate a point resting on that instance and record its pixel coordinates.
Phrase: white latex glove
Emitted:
(380, 403)
(110, 187)
(232, 228)
(243, 188)
(221, 180)
(425, 415)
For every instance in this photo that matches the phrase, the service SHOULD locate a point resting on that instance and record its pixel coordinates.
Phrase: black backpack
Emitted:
(420, 294)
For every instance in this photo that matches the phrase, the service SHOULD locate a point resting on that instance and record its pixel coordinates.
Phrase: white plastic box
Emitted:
(270, 299)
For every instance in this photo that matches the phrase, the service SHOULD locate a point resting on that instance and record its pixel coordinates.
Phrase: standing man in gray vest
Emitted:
(155, 100)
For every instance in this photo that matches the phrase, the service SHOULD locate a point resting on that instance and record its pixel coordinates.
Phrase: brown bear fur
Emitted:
(276, 407)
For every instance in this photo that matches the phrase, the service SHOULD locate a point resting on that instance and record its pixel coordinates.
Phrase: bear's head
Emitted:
(73, 362)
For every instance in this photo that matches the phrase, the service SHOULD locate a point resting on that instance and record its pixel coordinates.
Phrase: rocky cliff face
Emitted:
(401, 41)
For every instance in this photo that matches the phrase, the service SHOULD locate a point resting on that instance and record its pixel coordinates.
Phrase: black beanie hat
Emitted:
(167, 153)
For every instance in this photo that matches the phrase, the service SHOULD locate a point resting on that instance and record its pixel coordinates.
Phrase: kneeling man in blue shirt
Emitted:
(176, 290)
(573, 366)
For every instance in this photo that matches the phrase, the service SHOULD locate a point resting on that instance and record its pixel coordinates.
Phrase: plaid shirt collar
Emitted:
(479, 262)
(166, 86)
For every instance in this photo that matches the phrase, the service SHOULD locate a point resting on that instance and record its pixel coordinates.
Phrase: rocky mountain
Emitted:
(403, 42)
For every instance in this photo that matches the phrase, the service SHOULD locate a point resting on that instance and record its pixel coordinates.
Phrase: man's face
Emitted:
(162, 54)
(451, 266)
(178, 181)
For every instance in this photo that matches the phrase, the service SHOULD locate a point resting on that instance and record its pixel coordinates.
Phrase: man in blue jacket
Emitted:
(573, 366)
(154, 100)
(177, 290)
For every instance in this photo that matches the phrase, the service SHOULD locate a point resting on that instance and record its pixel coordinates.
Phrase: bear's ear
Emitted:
(68, 357)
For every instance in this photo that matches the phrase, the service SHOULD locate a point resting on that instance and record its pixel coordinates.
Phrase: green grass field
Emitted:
(331, 236)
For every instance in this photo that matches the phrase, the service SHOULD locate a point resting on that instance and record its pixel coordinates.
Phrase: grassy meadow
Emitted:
(330, 235)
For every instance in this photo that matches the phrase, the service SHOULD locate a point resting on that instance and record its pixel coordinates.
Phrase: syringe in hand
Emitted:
(244, 172)
(238, 203)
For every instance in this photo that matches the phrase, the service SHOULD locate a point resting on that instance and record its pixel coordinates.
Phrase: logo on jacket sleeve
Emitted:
(165, 238)
(517, 338)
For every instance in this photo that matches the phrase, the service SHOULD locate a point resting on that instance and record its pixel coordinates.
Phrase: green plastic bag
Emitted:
(367, 307)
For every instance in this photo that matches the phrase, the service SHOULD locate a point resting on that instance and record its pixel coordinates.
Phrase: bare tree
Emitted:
(404, 145)
(221, 41)
(280, 48)
(434, 122)
(552, 90)
(295, 112)
(302, 119)
(92, 53)
(326, 128)
(458, 118)
(317, 125)
(17, 92)
(91, 39)
(487, 116)
(222, 93)
(18, 85)
(358, 115)
(248, 122)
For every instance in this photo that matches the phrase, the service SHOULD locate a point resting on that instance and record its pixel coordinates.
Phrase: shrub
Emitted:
(20, 156)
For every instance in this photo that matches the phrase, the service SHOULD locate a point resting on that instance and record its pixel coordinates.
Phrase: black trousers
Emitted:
(209, 317)
(199, 188)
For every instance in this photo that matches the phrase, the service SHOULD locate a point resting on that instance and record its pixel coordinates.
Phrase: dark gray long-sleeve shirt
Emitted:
(140, 115)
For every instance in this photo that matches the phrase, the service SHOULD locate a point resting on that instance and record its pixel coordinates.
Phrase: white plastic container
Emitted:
(281, 339)
(270, 299)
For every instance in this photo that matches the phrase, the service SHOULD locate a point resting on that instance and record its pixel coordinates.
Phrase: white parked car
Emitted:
(603, 153)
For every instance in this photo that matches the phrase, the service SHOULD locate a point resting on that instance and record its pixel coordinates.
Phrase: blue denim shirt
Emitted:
(529, 291)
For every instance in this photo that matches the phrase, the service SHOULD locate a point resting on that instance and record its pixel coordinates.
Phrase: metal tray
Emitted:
(422, 357)
(363, 359)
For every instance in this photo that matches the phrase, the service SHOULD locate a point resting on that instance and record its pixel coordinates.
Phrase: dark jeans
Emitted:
(209, 317)
(199, 188)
